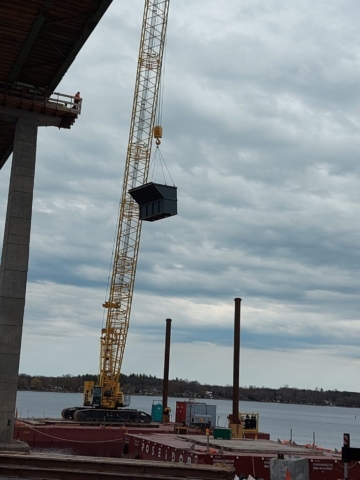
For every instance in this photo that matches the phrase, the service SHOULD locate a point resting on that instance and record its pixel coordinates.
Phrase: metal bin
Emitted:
(223, 433)
(156, 201)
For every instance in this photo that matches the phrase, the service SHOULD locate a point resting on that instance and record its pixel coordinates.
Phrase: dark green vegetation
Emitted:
(149, 385)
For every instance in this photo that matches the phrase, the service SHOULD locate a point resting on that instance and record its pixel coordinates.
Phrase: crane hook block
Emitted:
(158, 132)
(156, 201)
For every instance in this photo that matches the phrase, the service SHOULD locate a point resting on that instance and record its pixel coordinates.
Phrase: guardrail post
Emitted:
(346, 465)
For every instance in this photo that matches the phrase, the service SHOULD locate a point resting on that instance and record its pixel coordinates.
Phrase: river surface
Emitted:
(282, 421)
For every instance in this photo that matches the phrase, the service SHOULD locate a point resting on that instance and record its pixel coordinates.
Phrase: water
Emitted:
(328, 423)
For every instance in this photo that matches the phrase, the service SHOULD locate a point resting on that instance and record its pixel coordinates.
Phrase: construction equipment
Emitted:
(105, 400)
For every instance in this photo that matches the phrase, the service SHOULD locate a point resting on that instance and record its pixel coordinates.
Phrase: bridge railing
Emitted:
(26, 97)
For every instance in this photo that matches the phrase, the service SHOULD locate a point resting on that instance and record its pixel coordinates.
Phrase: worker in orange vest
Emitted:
(76, 99)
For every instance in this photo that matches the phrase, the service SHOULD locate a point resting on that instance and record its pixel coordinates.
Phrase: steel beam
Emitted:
(65, 467)
(91, 24)
(16, 69)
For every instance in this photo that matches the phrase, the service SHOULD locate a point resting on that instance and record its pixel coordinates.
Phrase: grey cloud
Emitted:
(261, 137)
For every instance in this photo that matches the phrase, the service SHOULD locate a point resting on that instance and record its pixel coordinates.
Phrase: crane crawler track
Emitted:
(103, 415)
(113, 416)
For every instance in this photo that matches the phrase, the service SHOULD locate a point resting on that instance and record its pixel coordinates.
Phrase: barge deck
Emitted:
(62, 467)
(160, 443)
(248, 457)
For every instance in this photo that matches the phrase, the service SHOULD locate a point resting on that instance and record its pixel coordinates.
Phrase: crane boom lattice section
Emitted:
(148, 76)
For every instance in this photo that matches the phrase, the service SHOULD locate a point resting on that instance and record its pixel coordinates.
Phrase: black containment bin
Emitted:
(156, 201)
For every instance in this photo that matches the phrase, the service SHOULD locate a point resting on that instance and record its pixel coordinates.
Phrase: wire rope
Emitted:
(168, 172)
(153, 163)
(162, 88)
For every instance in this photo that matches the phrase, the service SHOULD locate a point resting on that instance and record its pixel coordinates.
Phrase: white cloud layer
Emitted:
(261, 137)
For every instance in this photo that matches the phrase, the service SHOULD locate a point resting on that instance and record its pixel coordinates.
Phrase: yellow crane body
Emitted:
(114, 335)
(105, 399)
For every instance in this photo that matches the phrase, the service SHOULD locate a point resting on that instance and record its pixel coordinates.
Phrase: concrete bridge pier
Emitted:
(13, 272)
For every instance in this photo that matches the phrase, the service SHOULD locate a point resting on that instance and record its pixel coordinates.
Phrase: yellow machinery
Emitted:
(249, 425)
(106, 396)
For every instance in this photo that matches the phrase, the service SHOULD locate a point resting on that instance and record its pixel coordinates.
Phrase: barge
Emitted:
(93, 440)
(178, 445)
(76, 439)
(247, 457)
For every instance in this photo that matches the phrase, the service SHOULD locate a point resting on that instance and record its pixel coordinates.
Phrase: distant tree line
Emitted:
(150, 385)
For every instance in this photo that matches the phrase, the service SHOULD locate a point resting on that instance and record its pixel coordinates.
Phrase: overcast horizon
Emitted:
(261, 131)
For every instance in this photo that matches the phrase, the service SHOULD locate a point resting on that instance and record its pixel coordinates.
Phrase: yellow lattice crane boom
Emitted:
(106, 395)
(148, 75)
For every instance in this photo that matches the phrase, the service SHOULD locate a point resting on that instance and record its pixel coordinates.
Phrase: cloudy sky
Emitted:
(261, 118)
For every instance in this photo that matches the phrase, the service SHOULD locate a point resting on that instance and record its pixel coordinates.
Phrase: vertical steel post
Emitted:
(236, 378)
(166, 410)
(346, 438)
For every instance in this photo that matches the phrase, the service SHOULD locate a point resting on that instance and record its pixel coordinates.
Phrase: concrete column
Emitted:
(13, 270)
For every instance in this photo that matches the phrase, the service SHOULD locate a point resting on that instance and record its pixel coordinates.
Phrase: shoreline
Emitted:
(196, 399)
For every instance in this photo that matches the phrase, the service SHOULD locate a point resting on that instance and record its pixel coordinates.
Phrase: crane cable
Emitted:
(159, 155)
(159, 108)
(159, 111)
